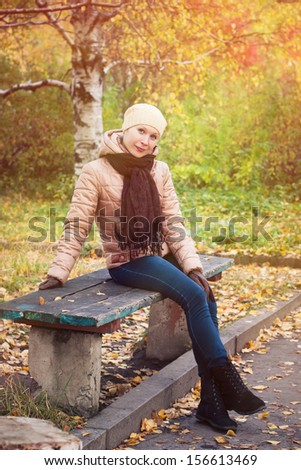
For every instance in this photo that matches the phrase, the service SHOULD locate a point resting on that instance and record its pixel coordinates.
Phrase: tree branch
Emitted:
(24, 23)
(110, 5)
(161, 62)
(33, 86)
(25, 11)
(56, 24)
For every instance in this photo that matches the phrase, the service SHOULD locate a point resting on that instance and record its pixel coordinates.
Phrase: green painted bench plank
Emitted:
(112, 309)
(91, 300)
(13, 309)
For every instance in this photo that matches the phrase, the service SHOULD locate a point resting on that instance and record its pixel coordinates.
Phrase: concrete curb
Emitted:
(278, 261)
(115, 423)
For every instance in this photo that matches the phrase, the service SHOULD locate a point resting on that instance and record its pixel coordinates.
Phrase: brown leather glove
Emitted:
(200, 279)
(50, 283)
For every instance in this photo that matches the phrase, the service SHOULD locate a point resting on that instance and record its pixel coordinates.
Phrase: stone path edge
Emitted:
(115, 423)
(278, 261)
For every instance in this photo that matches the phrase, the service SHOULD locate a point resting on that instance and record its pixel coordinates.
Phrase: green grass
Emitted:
(243, 222)
(17, 400)
(30, 230)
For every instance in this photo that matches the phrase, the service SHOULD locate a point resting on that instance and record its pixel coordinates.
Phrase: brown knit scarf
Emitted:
(141, 215)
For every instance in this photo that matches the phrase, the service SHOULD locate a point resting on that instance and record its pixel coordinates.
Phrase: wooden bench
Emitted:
(67, 324)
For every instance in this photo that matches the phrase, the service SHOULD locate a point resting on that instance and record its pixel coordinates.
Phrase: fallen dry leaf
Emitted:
(136, 380)
(248, 370)
(260, 387)
(262, 351)
(134, 439)
(275, 377)
(264, 415)
(148, 425)
(185, 431)
(221, 440)
(162, 414)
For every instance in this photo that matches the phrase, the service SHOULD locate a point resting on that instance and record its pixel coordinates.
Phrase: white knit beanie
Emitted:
(146, 114)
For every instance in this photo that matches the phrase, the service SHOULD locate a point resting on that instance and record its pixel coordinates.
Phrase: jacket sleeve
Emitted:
(77, 224)
(176, 237)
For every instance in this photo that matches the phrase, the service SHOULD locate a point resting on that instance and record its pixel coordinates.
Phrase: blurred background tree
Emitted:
(225, 74)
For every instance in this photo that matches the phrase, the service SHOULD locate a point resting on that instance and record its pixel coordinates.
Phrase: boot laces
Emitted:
(218, 401)
(235, 379)
(212, 397)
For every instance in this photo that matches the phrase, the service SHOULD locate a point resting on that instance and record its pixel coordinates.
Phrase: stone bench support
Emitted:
(67, 365)
(168, 336)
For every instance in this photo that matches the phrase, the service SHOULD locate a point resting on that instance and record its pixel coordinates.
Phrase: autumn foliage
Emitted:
(225, 74)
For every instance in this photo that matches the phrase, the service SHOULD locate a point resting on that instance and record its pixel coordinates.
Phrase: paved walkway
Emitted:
(278, 427)
(277, 372)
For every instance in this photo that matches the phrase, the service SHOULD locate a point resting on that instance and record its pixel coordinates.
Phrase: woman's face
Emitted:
(140, 140)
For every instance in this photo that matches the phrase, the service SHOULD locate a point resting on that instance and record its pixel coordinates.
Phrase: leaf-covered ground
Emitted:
(277, 427)
(241, 291)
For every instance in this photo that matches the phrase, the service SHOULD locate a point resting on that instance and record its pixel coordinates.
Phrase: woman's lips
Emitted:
(139, 149)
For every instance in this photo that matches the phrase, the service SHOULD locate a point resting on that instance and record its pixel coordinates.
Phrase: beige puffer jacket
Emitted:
(97, 196)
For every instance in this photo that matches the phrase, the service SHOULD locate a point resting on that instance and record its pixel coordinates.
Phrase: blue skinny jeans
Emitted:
(164, 275)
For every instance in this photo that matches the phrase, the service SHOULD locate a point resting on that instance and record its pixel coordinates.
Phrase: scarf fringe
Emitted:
(145, 247)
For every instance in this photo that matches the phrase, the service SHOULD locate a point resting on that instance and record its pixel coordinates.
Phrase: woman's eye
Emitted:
(141, 131)
(154, 137)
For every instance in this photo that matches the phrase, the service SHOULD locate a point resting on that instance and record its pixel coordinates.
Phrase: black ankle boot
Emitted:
(235, 393)
(211, 409)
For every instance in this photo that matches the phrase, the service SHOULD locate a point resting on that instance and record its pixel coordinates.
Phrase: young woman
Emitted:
(131, 196)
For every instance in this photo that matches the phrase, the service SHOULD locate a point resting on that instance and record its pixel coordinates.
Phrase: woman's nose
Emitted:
(144, 139)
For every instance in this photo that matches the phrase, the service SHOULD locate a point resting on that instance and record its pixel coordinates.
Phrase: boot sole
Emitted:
(248, 413)
(201, 419)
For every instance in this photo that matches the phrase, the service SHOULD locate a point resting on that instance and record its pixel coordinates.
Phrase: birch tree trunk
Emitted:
(87, 86)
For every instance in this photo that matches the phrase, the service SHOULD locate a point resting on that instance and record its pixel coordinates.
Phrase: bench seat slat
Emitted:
(71, 287)
(78, 302)
(90, 296)
(112, 309)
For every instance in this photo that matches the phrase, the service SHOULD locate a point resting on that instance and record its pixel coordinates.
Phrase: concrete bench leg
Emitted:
(168, 336)
(67, 365)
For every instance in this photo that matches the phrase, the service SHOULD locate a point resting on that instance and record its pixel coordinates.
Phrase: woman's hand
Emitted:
(50, 283)
(200, 279)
